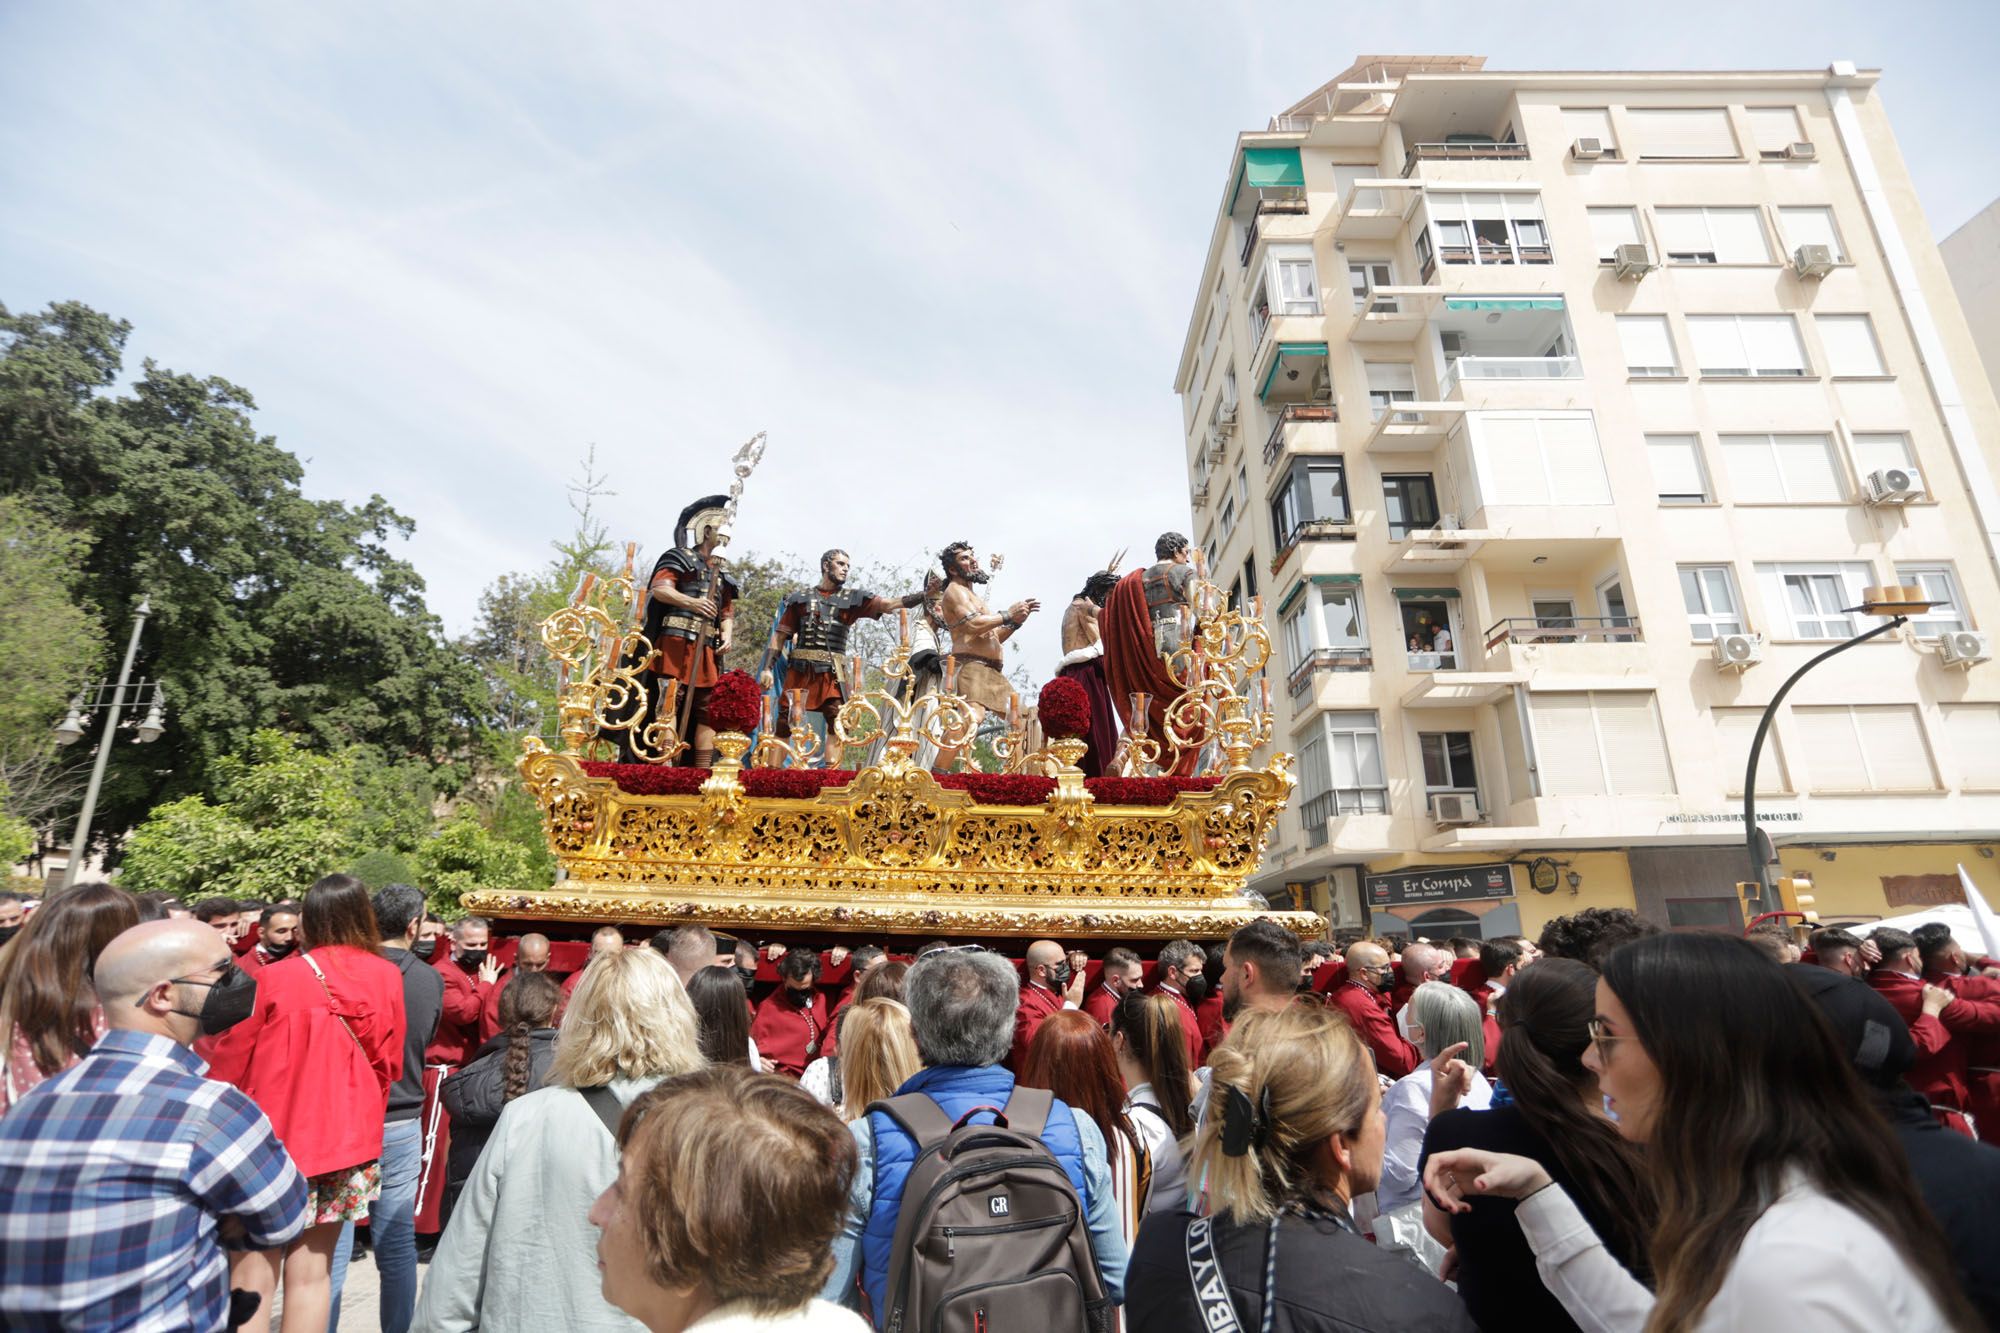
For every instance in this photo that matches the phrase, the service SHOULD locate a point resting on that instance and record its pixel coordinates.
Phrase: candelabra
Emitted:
(601, 667)
(1222, 649)
(800, 748)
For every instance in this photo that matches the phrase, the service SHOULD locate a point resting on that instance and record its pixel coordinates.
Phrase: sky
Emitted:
(945, 255)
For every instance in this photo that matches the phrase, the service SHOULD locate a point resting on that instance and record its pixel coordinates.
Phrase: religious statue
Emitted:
(977, 634)
(1083, 662)
(1142, 622)
(809, 640)
(690, 607)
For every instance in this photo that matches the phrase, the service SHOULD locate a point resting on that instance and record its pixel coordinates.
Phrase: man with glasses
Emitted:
(126, 1175)
(1363, 998)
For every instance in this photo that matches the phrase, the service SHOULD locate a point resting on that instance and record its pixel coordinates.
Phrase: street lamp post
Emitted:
(1896, 603)
(71, 730)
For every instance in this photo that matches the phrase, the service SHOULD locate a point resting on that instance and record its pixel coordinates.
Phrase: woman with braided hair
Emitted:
(515, 1061)
(1293, 1132)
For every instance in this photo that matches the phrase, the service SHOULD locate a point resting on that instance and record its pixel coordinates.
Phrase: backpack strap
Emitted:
(609, 1109)
(920, 1117)
(1028, 1109)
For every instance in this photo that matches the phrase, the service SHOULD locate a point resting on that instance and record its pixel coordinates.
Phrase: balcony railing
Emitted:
(1464, 152)
(1485, 252)
(1311, 530)
(1274, 445)
(1509, 368)
(1328, 659)
(1285, 203)
(1329, 805)
(1563, 629)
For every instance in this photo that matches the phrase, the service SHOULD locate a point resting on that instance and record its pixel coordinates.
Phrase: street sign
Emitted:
(1441, 884)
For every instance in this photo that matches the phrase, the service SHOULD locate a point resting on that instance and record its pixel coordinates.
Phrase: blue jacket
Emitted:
(887, 1153)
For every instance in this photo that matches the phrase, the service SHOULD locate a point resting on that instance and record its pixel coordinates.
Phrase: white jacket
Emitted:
(818, 1316)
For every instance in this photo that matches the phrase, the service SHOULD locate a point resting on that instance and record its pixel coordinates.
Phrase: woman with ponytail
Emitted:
(1293, 1132)
(1557, 1119)
(1146, 1037)
(514, 1061)
(1782, 1198)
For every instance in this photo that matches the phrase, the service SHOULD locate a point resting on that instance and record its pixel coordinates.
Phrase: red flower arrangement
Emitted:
(793, 783)
(805, 783)
(1144, 791)
(736, 703)
(649, 779)
(999, 788)
(1064, 709)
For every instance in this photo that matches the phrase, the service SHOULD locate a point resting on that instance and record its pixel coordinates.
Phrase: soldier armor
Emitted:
(1166, 585)
(694, 579)
(820, 642)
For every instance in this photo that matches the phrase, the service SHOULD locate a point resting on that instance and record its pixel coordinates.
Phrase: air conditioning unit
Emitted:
(1801, 152)
(1894, 486)
(1738, 652)
(1812, 261)
(1225, 413)
(1961, 648)
(1631, 261)
(1587, 150)
(1455, 808)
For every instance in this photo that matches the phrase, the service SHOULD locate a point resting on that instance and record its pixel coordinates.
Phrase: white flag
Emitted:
(1982, 914)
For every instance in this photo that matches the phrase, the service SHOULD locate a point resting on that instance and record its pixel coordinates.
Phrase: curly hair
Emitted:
(948, 557)
(1169, 545)
(1589, 935)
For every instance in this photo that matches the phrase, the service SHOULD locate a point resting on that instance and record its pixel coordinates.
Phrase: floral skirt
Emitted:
(344, 1195)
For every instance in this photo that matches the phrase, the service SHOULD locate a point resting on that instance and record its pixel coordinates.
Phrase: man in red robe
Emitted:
(1946, 965)
(1048, 986)
(1942, 1024)
(1133, 661)
(1121, 975)
(531, 954)
(1179, 964)
(469, 978)
(791, 1024)
(277, 937)
(1361, 997)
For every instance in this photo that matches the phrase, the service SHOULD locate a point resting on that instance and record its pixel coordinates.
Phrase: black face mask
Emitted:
(424, 948)
(8, 933)
(471, 958)
(231, 998)
(1196, 990)
(276, 951)
(1059, 975)
(747, 975)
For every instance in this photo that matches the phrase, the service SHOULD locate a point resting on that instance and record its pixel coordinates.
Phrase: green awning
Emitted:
(1267, 169)
(1285, 350)
(1298, 591)
(1423, 594)
(1503, 303)
(1323, 580)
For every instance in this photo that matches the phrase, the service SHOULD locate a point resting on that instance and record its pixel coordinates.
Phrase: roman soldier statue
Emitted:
(690, 607)
(809, 640)
(1167, 583)
(1141, 623)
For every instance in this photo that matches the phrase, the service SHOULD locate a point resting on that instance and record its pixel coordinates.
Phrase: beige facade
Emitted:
(1972, 255)
(1556, 417)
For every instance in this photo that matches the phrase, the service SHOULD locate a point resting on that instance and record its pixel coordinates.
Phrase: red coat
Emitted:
(1036, 1004)
(1400, 993)
(789, 1035)
(1208, 1021)
(1190, 1026)
(1100, 1004)
(1942, 1071)
(465, 998)
(1982, 1054)
(1393, 1055)
(325, 1091)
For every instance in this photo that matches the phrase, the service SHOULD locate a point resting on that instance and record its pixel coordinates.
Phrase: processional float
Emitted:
(766, 841)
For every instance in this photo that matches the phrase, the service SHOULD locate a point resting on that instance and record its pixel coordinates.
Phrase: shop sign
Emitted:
(1441, 884)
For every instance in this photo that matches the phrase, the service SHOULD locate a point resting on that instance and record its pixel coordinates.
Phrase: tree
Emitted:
(463, 854)
(270, 610)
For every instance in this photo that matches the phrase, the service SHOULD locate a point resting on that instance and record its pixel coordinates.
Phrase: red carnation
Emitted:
(736, 703)
(1064, 709)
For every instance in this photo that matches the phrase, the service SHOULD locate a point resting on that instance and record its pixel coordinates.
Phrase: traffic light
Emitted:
(1795, 894)
(1751, 894)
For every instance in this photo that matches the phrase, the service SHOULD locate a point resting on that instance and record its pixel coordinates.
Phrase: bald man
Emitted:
(531, 954)
(1049, 983)
(133, 1167)
(1363, 999)
(606, 939)
(1421, 962)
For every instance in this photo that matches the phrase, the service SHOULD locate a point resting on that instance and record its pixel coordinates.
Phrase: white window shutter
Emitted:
(1892, 741)
(1629, 724)
(1753, 469)
(1392, 376)
(1772, 342)
(1805, 463)
(1850, 345)
(1809, 226)
(1575, 463)
(1511, 467)
(1613, 227)
(1831, 749)
(1646, 341)
(1972, 732)
(1682, 131)
(1773, 129)
(1735, 728)
(1739, 236)
(1566, 751)
(1682, 230)
(1676, 463)
(1588, 122)
(1718, 345)
(1874, 451)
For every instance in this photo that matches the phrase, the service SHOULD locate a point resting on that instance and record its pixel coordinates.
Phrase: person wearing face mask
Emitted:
(132, 1165)
(430, 932)
(1179, 968)
(1048, 985)
(277, 937)
(1121, 975)
(469, 978)
(791, 1023)
(319, 1053)
(12, 915)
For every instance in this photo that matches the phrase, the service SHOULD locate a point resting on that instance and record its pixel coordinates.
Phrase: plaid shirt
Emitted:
(114, 1175)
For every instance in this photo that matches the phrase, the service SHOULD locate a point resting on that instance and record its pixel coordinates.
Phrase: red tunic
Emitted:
(325, 1091)
(1208, 1021)
(572, 981)
(458, 1026)
(1982, 1055)
(676, 657)
(789, 1034)
(1100, 1004)
(1132, 663)
(1393, 1055)
(1942, 1071)
(1035, 1005)
(1190, 1026)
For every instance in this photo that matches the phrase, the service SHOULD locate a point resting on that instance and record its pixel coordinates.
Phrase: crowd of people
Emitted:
(206, 1109)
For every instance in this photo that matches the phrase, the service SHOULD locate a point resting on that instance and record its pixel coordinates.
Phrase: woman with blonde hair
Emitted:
(1293, 1132)
(878, 1053)
(519, 1252)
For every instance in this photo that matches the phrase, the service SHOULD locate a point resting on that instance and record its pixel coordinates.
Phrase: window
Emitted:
(1972, 734)
(1429, 632)
(1315, 489)
(1538, 459)
(1864, 748)
(1590, 122)
(1611, 228)
(1489, 228)
(1649, 347)
(1389, 382)
(1781, 469)
(1298, 287)
(1341, 769)
(1947, 617)
(1340, 613)
(1681, 132)
(1709, 593)
(1712, 236)
(1298, 638)
(1410, 503)
(1373, 273)
(1600, 743)
(1242, 484)
(1677, 471)
(1810, 226)
(1774, 129)
(1448, 761)
(1250, 576)
(1765, 346)
(1225, 522)
(1850, 345)
(1805, 601)
(1876, 450)
(1735, 728)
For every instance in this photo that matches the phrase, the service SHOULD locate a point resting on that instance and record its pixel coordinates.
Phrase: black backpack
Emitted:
(991, 1236)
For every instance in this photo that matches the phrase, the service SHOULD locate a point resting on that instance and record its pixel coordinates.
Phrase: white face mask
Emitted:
(1404, 1026)
(1609, 1114)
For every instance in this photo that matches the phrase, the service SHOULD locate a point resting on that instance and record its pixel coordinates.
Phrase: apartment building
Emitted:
(1557, 418)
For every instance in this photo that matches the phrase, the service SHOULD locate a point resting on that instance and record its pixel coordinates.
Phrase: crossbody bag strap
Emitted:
(313, 963)
(607, 1106)
(1211, 1290)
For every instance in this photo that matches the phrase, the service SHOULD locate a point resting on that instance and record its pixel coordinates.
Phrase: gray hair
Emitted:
(962, 1004)
(1448, 1016)
(466, 923)
(1179, 952)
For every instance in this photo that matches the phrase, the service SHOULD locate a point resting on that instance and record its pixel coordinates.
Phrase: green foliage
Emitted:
(271, 610)
(464, 854)
(17, 839)
(381, 867)
(50, 645)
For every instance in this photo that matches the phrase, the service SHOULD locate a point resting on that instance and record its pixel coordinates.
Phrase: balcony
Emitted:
(1413, 428)
(1310, 530)
(1539, 630)
(1507, 368)
(1376, 210)
(1295, 415)
(1436, 550)
(1286, 204)
(1467, 151)
(1327, 659)
(1484, 251)
(1198, 493)
(1394, 314)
